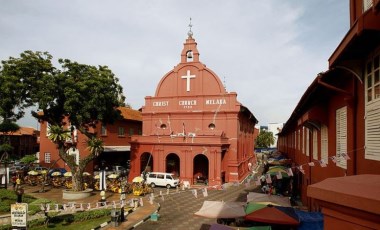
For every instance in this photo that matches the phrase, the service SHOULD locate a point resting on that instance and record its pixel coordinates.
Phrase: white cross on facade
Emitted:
(188, 77)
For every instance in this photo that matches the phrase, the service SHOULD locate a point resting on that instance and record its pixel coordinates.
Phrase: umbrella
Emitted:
(275, 171)
(33, 173)
(138, 179)
(271, 214)
(270, 199)
(113, 176)
(56, 174)
(221, 209)
(278, 167)
(68, 174)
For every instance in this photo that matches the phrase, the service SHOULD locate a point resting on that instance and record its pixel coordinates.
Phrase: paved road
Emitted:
(177, 209)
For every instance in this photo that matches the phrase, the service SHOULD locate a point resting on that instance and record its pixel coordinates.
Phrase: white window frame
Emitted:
(298, 139)
(307, 141)
(367, 4)
(47, 157)
(341, 136)
(75, 152)
(315, 144)
(324, 143)
(103, 131)
(372, 107)
(47, 129)
(121, 131)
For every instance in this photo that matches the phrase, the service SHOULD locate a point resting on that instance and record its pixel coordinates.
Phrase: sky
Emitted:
(268, 52)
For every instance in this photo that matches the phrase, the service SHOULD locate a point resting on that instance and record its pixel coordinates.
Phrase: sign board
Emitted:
(19, 213)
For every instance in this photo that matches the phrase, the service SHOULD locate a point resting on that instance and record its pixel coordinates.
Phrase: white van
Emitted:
(162, 179)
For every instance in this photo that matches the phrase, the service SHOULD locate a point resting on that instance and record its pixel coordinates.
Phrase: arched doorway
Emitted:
(200, 169)
(146, 162)
(173, 164)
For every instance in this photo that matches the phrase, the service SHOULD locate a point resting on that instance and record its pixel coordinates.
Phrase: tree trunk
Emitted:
(78, 181)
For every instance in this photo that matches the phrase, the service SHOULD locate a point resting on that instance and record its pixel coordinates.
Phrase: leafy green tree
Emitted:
(72, 97)
(29, 159)
(264, 139)
(6, 128)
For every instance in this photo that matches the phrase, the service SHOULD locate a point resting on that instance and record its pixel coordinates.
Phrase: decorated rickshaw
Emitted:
(87, 180)
(57, 179)
(68, 180)
(139, 187)
(32, 178)
(113, 183)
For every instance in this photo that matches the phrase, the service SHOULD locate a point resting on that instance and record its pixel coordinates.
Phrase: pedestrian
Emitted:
(14, 178)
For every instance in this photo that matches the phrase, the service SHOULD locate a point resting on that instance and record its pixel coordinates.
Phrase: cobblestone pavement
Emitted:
(177, 209)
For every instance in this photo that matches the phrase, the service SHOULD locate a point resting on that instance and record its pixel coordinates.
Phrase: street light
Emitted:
(19, 193)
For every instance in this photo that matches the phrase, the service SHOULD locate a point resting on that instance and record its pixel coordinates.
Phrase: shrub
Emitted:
(8, 197)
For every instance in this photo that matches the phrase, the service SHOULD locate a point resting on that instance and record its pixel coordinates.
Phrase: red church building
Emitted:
(193, 127)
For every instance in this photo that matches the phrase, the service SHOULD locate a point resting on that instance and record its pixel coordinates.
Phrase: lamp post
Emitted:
(19, 193)
(102, 175)
(128, 169)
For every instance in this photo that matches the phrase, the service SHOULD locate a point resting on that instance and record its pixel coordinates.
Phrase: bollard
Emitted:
(135, 204)
(115, 217)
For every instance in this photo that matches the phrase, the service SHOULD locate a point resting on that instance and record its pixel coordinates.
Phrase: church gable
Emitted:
(190, 80)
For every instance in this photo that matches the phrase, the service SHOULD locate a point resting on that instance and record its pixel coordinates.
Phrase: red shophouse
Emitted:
(193, 127)
(115, 136)
(24, 142)
(339, 116)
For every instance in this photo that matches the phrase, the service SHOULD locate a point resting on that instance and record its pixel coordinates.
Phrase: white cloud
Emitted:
(266, 51)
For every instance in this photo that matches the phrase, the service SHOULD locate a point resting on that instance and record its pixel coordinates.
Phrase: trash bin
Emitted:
(154, 216)
(115, 217)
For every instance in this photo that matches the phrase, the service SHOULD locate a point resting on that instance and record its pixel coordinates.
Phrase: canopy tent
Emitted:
(221, 209)
(275, 200)
(310, 220)
(224, 227)
(276, 170)
(271, 214)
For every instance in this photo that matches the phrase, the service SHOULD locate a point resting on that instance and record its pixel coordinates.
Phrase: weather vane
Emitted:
(190, 33)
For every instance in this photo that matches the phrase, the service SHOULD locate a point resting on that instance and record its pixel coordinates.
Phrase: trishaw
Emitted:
(57, 179)
(139, 187)
(68, 180)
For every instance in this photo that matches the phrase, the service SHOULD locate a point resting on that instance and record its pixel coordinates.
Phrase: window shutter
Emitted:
(315, 144)
(341, 136)
(372, 135)
(324, 143)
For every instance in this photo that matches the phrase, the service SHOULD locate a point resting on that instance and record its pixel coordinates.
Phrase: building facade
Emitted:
(335, 125)
(275, 128)
(115, 137)
(24, 142)
(193, 127)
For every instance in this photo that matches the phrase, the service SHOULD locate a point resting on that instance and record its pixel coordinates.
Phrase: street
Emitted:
(177, 209)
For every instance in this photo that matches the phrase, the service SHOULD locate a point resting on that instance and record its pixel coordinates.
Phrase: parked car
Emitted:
(40, 169)
(118, 169)
(168, 180)
(14, 169)
(61, 170)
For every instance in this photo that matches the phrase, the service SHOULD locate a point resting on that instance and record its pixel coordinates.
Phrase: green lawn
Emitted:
(88, 224)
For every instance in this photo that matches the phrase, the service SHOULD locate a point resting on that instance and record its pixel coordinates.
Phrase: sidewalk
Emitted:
(135, 218)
